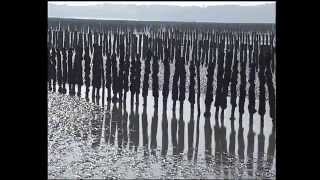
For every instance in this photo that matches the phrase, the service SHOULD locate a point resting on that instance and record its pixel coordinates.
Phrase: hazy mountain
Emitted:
(226, 13)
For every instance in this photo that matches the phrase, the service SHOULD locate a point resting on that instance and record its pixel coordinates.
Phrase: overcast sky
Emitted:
(176, 3)
(201, 11)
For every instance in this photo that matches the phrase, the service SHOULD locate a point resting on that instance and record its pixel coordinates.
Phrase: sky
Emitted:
(177, 3)
(182, 11)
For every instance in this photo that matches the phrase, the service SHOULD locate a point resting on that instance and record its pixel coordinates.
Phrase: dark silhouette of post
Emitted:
(269, 81)
(97, 72)
(66, 43)
(78, 69)
(49, 69)
(64, 70)
(209, 91)
(87, 71)
(243, 82)
(147, 71)
(166, 78)
(252, 96)
(192, 84)
(114, 71)
(175, 89)
(60, 39)
(132, 78)
(137, 77)
(59, 71)
(109, 44)
(182, 87)
(121, 67)
(54, 68)
(220, 71)
(226, 79)
(90, 40)
(70, 72)
(155, 79)
(126, 76)
(234, 80)
(49, 39)
(198, 78)
(262, 81)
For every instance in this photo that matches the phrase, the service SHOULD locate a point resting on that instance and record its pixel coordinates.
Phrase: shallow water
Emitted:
(140, 142)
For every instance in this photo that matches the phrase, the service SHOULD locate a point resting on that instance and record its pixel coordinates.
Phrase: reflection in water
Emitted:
(145, 129)
(125, 124)
(107, 117)
(232, 144)
(241, 146)
(260, 155)
(174, 140)
(271, 148)
(208, 138)
(221, 146)
(96, 130)
(174, 132)
(250, 148)
(164, 131)
(154, 128)
(136, 127)
(181, 132)
(119, 127)
(228, 160)
(131, 127)
(190, 133)
(114, 119)
(197, 137)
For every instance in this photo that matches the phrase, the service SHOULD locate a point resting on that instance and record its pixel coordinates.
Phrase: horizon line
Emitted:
(115, 19)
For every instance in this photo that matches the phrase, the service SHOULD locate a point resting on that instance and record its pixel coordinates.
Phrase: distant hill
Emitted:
(220, 14)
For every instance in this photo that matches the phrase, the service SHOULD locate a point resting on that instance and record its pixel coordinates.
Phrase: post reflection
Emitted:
(190, 133)
(241, 146)
(271, 148)
(232, 144)
(107, 126)
(181, 133)
(164, 149)
(145, 129)
(208, 138)
(250, 148)
(197, 138)
(260, 155)
(136, 128)
(96, 128)
(154, 128)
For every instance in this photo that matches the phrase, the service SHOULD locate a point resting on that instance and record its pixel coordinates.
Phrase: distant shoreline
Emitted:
(133, 20)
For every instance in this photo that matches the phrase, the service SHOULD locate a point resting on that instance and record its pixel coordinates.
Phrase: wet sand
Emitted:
(131, 143)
